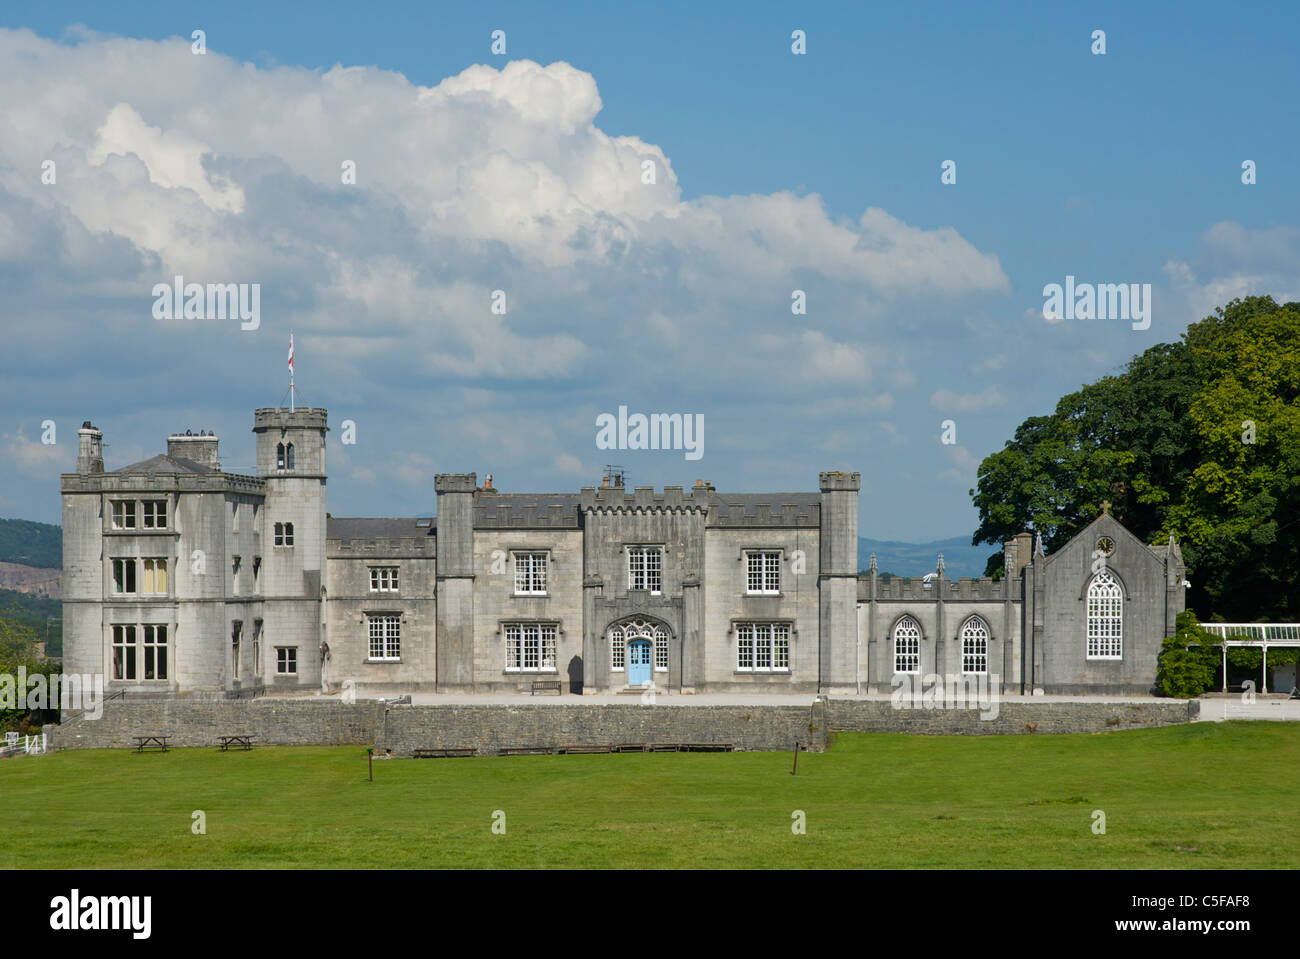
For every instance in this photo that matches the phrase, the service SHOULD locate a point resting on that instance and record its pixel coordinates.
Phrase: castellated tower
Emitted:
(838, 583)
(291, 525)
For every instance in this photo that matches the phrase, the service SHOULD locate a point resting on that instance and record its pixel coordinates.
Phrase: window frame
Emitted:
(129, 659)
(531, 574)
(289, 658)
(643, 552)
(1096, 618)
(384, 579)
(136, 655)
(151, 567)
(913, 625)
(389, 635)
(768, 567)
(764, 647)
(128, 506)
(127, 563)
(150, 509)
(517, 644)
(968, 636)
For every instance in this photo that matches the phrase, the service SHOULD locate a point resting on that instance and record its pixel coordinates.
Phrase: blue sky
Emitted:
(777, 172)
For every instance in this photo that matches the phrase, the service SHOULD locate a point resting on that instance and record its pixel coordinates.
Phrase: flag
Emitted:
(290, 352)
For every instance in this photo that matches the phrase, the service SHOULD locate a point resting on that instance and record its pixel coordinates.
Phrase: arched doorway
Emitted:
(638, 650)
(638, 663)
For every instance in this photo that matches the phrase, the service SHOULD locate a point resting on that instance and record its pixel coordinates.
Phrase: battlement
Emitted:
(526, 511)
(382, 547)
(162, 482)
(280, 418)
(644, 499)
(767, 511)
(915, 589)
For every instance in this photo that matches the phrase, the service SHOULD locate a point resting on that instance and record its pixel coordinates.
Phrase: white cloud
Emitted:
(963, 469)
(38, 459)
(172, 160)
(990, 364)
(948, 401)
(1236, 261)
(492, 179)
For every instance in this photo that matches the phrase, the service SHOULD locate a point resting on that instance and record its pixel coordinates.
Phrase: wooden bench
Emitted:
(630, 748)
(665, 747)
(525, 750)
(150, 742)
(548, 685)
(707, 747)
(445, 753)
(243, 740)
(576, 750)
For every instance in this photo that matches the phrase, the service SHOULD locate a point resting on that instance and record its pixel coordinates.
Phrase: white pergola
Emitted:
(1262, 636)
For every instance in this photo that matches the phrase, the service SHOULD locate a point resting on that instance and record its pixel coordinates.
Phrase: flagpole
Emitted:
(291, 371)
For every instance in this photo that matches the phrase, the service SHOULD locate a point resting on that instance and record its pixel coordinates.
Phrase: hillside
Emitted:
(31, 544)
(960, 558)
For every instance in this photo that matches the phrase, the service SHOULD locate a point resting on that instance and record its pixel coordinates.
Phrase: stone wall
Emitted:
(490, 726)
(403, 729)
(879, 716)
(275, 722)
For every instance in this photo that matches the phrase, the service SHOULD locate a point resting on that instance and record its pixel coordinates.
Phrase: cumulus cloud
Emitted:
(1233, 261)
(494, 180)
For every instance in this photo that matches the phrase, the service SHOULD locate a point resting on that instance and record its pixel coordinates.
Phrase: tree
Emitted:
(17, 640)
(1187, 659)
(1200, 438)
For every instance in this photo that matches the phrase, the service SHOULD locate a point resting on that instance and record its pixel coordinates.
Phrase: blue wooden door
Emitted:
(638, 663)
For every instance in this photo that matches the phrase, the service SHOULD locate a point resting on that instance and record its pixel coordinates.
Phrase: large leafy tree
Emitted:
(1200, 438)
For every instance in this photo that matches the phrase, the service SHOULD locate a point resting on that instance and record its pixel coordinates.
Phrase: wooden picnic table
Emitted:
(241, 739)
(146, 742)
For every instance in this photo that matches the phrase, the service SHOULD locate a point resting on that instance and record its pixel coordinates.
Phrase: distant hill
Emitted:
(31, 544)
(39, 612)
(960, 558)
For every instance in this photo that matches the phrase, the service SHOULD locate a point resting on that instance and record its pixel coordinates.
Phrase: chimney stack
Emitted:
(90, 449)
(201, 449)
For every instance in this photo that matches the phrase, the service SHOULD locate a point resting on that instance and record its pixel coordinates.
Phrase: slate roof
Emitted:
(165, 464)
(369, 529)
(804, 501)
(488, 506)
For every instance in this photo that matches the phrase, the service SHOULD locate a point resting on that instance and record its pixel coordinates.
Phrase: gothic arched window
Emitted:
(279, 456)
(1105, 617)
(288, 457)
(907, 646)
(623, 633)
(974, 646)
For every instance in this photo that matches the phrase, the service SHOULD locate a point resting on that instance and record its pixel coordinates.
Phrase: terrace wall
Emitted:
(490, 726)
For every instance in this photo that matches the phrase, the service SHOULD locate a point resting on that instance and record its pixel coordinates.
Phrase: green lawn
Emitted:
(1209, 795)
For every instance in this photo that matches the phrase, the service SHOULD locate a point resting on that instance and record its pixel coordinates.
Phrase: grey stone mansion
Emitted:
(182, 579)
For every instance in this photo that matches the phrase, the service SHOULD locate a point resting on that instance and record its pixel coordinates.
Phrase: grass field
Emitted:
(1208, 795)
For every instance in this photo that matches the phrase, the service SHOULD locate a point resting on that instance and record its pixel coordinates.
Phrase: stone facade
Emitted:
(182, 579)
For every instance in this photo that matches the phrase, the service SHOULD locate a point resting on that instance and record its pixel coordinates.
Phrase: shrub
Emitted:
(1187, 659)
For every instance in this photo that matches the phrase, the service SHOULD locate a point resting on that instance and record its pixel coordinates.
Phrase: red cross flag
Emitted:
(290, 352)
